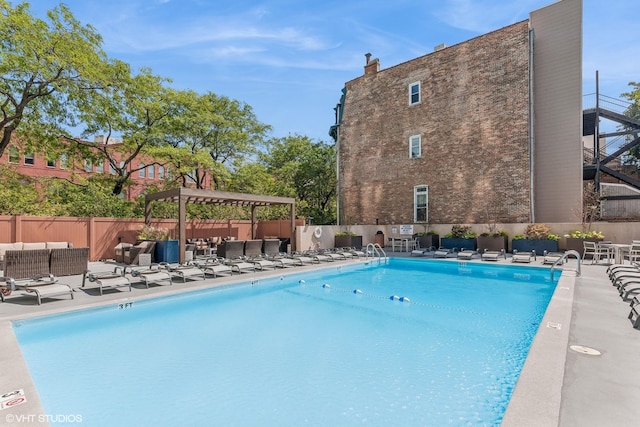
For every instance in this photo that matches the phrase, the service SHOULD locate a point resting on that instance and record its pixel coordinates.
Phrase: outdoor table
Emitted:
(619, 250)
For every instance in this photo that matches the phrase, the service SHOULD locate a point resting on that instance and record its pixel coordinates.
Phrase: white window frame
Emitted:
(420, 190)
(14, 154)
(412, 139)
(418, 93)
(151, 172)
(142, 173)
(29, 159)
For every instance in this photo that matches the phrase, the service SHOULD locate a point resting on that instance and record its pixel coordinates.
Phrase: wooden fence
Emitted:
(101, 235)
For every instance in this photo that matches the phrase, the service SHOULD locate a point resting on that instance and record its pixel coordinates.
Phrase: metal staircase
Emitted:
(606, 157)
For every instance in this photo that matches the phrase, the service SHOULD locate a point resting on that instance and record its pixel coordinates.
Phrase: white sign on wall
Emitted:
(406, 229)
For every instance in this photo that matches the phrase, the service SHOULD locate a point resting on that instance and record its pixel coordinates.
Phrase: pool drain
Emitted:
(585, 350)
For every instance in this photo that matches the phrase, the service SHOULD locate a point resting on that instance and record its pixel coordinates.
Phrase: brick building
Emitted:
(488, 130)
(37, 165)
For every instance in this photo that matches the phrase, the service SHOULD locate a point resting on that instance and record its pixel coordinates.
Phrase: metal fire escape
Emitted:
(606, 156)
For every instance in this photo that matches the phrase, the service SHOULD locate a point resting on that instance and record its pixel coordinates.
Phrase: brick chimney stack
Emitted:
(372, 66)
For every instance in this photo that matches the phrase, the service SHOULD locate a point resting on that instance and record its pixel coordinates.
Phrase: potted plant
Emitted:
(166, 250)
(347, 239)
(461, 237)
(493, 241)
(575, 240)
(536, 237)
(427, 238)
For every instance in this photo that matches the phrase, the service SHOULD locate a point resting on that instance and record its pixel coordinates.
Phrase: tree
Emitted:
(633, 155)
(134, 107)
(305, 170)
(213, 134)
(45, 66)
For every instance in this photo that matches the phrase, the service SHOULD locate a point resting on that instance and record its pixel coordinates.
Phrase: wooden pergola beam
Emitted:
(184, 196)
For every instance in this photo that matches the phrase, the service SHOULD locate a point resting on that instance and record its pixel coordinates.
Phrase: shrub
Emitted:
(461, 232)
(149, 232)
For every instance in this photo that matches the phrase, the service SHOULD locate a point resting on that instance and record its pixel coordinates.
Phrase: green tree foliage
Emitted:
(306, 170)
(633, 155)
(134, 107)
(45, 67)
(211, 134)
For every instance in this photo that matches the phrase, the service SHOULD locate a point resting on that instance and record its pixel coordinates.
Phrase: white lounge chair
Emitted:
(524, 257)
(185, 271)
(443, 253)
(492, 255)
(152, 275)
(108, 280)
(45, 287)
(466, 254)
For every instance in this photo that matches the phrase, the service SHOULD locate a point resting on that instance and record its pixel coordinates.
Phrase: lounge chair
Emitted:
(240, 266)
(262, 263)
(305, 259)
(492, 255)
(524, 257)
(44, 287)
(213, 267)
(466, 254)
(108, 280)
(283, 262)
(184, 271)
(634, 316)
(151, 274)
(444, 252)
(551, 257)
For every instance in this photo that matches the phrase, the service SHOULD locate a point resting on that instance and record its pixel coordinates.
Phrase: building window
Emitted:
(151, 172)
(100, 168)
(29, 159)
(142, 172)
(415, 146)
(14, 155)
(51, 163)
(64, 161)
(414, 93)
(160, 172)
(421, 203)
(112, 169)
(88, 166)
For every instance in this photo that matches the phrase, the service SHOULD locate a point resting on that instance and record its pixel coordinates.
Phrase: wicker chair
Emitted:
(132, 254)
(26, 264)
(69, 261)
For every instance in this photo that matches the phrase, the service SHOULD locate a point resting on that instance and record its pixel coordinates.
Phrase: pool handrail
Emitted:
(376, 249)
(563, 257)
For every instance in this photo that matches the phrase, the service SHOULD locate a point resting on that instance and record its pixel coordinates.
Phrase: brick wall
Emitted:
(474, 123)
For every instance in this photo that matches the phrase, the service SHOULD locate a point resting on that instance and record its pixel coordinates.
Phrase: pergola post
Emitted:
(182, 234)
(253, 222)
(292, 216)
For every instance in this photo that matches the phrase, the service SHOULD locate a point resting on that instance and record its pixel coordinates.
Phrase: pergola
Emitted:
(184, 195)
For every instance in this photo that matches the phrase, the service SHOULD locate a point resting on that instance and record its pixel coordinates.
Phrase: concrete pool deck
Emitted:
(557, 387)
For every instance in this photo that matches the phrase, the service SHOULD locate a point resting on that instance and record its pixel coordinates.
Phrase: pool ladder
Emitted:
(374, 250)
(562, 259)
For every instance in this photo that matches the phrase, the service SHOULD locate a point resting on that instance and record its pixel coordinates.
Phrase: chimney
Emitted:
(372, 66)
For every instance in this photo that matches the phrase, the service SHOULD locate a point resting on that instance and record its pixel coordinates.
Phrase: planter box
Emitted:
(428, 240)
(577, 244)
(348, 242)
(166, 251)
(460, 244)
(493, 243)
(539, 245)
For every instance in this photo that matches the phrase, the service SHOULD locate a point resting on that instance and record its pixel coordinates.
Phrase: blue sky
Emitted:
(289, 59)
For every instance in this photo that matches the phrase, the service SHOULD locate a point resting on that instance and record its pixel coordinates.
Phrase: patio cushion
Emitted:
(36, 245)
(57, 245)
(9, 247)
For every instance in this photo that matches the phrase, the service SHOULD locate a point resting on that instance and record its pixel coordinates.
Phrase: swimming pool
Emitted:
(336, 347)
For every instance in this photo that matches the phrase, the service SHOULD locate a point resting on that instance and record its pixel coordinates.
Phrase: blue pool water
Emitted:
(303, 349)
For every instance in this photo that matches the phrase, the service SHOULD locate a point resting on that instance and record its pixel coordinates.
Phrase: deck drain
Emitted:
(585, 350)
